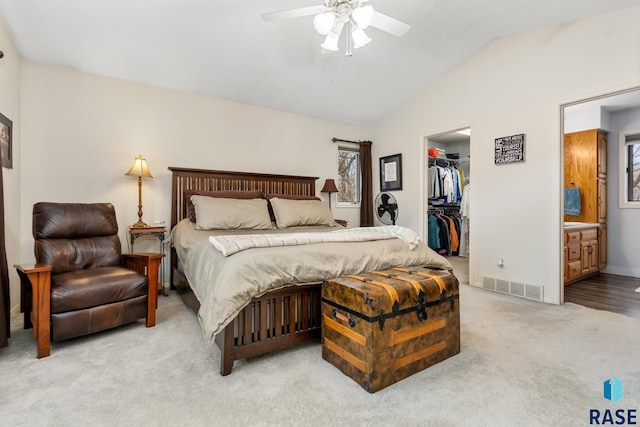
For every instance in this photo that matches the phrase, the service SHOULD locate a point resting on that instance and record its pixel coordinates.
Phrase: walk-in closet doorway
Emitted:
(447, 197)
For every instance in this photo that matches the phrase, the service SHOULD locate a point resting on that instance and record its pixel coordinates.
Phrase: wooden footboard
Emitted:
(277, 320)
(280, 319)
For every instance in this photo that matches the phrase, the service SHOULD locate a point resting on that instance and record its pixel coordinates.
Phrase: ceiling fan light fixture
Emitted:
(360, 38)
(324, 22)
(363, 16)
(330, 19)
(331, 41)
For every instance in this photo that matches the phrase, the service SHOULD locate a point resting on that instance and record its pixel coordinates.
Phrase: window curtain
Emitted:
(366, 201)
(4, 276)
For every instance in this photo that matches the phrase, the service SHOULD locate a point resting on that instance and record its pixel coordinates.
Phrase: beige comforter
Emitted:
(225, 285)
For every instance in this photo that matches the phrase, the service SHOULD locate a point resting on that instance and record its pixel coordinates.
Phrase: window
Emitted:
(633, 171)
(630, 169)
(349, 181)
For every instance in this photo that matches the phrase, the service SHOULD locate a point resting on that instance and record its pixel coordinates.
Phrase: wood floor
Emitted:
(606, 292)
(602, 291)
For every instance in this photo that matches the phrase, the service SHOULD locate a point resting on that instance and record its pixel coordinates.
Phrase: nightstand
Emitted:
(342, 222)
(158, 233)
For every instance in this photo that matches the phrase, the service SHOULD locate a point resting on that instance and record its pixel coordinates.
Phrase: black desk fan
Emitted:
(386, 208)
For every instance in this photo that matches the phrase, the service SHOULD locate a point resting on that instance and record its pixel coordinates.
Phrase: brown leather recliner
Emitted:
(81, 282)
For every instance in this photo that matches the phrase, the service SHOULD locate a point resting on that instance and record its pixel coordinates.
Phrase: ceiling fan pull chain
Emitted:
(348, 52)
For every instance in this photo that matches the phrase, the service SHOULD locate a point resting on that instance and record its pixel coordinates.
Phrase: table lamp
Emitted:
(329, 187)
(139, 169)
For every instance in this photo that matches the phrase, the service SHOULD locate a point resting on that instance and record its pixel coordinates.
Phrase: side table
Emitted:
(158, 232)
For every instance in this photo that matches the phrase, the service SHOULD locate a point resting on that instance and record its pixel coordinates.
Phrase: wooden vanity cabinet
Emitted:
(585, 167)
(589, 251)
(602, 246)
(582, 257)
(573, 254)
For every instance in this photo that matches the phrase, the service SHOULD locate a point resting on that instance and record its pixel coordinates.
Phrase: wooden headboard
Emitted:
(212, 180)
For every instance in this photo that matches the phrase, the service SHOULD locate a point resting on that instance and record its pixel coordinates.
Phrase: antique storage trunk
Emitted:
(383, 326)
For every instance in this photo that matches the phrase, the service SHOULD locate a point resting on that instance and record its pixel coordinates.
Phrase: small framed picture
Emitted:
(391, 173)
(6, 143)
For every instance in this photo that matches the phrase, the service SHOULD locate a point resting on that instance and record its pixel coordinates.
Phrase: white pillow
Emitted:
(222, 213)
(291, 213)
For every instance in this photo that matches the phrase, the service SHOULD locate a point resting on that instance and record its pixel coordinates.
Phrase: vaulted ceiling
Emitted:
(224, 49)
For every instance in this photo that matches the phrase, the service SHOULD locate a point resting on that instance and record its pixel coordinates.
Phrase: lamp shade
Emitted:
(363, 16)
(323, 22)
(329, 187)
(332, 39)
(360, 38)
(139, 168)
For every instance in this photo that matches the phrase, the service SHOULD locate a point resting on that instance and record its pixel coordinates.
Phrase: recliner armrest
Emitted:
(143, 262)
(147, 263)
(38, 277)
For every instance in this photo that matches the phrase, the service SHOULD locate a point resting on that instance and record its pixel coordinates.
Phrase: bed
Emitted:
(265, 298)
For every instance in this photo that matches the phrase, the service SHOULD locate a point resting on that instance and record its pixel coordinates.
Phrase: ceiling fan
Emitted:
(332, 17)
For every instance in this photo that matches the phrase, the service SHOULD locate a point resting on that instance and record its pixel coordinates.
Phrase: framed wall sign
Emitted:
(6, 141)
(509, 149)
(391, 173)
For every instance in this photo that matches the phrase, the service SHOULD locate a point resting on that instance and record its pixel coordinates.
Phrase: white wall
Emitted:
(623, 225)
(10, 107)
(577, 118)
(81, 132)
(576, 121)
(514, 85)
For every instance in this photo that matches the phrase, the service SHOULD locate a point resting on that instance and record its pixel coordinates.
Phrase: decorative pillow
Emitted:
(227, 194)
(286, 196)
(223, 213)
(292, 212)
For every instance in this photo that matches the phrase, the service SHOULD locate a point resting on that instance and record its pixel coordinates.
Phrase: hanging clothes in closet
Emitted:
(444, 231)
(446, 186)
(446, 182)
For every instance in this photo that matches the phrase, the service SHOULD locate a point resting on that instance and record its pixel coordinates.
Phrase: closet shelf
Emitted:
(450, 205)
(442, 161)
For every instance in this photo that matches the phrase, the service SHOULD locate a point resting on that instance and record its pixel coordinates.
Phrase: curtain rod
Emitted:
(352, 142)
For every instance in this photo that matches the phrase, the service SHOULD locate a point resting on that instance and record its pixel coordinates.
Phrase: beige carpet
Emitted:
(522, 363)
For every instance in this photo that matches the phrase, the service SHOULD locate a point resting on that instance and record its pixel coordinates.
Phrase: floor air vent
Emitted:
(533, 292)
(489, 283)
(502, 286)
(517, 289)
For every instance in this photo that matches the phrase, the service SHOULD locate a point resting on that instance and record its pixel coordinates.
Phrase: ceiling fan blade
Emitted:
(389, 24)
(293, 13)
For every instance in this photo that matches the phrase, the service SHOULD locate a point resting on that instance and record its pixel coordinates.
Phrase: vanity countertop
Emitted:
(579, 225)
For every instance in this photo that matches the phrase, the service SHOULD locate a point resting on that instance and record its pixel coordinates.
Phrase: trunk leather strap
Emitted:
(436, 278)
(416, 285)
(390, 289)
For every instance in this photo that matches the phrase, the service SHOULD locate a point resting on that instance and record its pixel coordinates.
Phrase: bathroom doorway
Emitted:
(612, 285)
